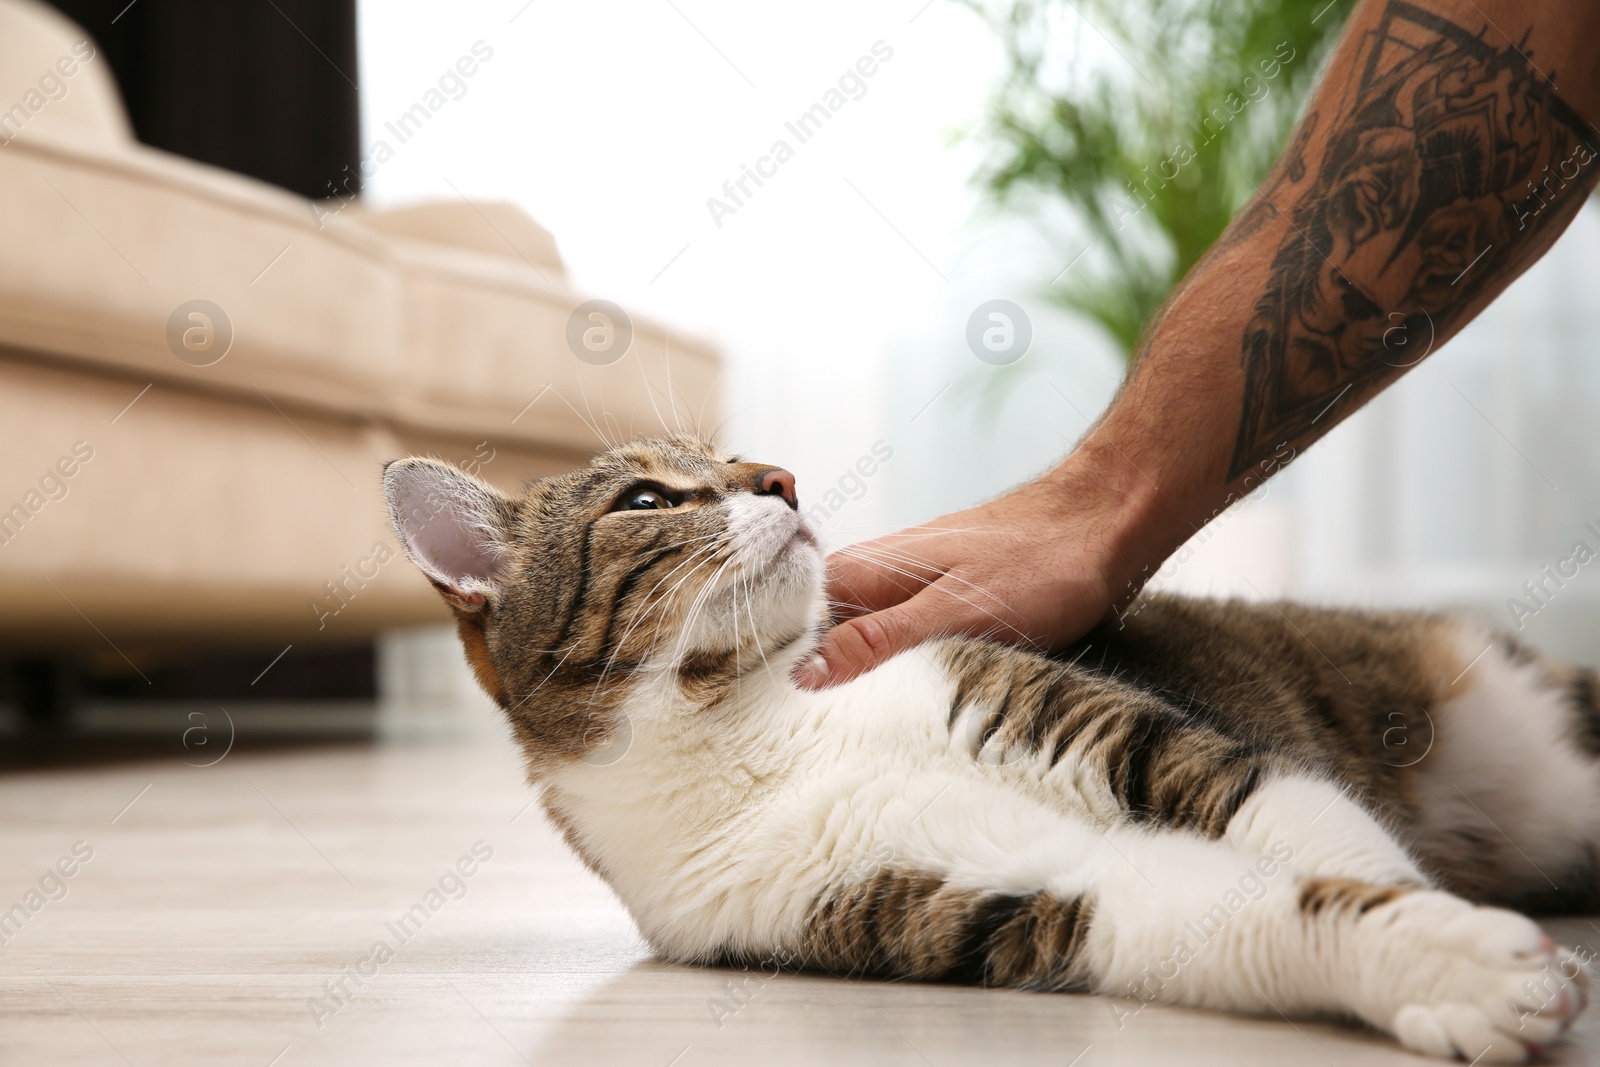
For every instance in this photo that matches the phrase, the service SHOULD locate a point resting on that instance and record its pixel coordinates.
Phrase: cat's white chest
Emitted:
(740, 820)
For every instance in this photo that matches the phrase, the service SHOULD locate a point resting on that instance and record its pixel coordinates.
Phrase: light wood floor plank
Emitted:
(217, 906)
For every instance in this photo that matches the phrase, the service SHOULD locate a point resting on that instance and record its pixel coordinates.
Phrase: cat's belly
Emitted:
(965, 824)
(1070, 781)
(878, 778)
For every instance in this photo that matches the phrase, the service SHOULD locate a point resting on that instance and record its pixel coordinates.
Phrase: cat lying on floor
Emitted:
(1201, 808)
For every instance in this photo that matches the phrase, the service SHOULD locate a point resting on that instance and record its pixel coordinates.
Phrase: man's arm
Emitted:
(1434, 163)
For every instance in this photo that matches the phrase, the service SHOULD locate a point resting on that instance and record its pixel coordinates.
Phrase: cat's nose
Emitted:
(778, 482)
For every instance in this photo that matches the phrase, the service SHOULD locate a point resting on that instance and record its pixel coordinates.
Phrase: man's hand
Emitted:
(1032, 567)
(1433, 164)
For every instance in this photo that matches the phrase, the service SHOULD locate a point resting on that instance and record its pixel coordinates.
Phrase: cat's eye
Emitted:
(644, 500)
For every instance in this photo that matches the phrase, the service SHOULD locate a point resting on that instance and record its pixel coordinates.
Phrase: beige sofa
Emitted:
(149, 501)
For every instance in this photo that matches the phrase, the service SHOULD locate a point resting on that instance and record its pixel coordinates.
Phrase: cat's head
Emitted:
(664, 562)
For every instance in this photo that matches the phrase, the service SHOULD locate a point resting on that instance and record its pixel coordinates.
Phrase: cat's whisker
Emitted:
(695, 607)
(925, 584)
(700, 416)
(639, 614)
(595, 419)
(648, 600)
(869, 550)
(886, 555)
(750, 609)
(914, 531)
(671, 398)
(900, 564)
(715, 542)
(689, 613)
(738, 657)
(650, 389)
(543, 682)
(591, 426)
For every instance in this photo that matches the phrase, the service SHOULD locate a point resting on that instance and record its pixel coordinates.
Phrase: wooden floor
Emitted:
(222, 906)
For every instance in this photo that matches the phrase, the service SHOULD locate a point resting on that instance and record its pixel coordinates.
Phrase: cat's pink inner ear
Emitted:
(450, 525)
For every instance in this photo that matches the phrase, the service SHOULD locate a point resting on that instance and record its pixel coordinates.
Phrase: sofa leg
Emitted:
(47, 692)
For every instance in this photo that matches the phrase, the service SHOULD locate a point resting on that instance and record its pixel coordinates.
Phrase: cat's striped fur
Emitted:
(1244, 807)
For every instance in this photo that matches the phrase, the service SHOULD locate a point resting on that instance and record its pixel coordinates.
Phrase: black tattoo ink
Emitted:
(1444, 159)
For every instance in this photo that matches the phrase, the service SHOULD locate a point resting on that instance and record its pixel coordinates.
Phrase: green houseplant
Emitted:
(1151, 121)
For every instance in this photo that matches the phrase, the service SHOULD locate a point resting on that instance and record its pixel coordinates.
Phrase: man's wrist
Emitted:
(1123, 508)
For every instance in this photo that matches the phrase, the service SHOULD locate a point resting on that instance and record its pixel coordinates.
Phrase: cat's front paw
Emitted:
(1483, 984)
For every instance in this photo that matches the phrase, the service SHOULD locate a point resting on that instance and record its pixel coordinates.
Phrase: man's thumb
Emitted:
(858, 645)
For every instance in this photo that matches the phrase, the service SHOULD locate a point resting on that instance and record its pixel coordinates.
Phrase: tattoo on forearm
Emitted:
(1443, 164)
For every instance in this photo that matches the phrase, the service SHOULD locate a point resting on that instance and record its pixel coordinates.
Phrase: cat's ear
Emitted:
(452, 526)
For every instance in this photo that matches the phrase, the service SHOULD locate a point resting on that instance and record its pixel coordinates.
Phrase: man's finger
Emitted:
(878, 574)
(858, 645)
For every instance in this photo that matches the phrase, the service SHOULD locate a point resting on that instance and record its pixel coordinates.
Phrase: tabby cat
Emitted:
(1209, 806)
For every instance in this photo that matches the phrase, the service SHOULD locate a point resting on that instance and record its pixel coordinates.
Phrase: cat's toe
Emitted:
(1419, 1028)
(1568, 962)
(1496, 937)
(1528, 996)
(1449, 1031)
